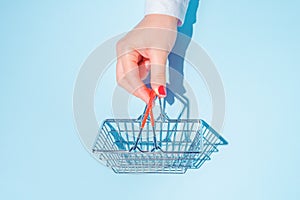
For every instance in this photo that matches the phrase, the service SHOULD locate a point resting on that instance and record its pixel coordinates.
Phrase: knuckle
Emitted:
(120, 46)
(121, 81)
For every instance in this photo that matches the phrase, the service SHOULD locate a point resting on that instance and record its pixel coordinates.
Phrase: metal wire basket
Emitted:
(161, 146)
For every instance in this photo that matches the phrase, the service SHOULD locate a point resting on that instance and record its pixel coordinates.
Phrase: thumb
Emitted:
(158, 73)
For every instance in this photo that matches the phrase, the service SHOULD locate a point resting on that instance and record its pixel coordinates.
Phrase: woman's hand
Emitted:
(145, 49)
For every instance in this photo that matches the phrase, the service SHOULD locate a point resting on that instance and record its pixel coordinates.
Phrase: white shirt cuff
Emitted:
(175, 8)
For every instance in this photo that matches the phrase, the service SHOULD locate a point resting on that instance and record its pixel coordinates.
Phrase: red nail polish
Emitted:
(162, 90)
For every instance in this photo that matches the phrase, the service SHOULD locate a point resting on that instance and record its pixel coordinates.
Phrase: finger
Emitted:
(132, 75)
(158, 60)
(121, 78)
(144, 69)
(122, 81)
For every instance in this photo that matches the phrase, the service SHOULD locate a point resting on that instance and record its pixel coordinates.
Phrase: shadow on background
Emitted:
(175, 87)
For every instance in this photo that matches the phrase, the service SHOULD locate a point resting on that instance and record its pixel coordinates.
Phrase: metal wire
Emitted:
(183, 144)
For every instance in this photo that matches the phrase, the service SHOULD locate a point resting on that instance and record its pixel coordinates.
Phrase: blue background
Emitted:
(254, 44)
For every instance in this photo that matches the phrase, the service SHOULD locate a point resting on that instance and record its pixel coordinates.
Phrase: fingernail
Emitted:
(162, 90)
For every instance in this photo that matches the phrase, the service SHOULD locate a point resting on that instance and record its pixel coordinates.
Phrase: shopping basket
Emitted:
(162, 146)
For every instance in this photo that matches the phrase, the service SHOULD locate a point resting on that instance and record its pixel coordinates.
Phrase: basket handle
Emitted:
(162, 115)
(147, 112)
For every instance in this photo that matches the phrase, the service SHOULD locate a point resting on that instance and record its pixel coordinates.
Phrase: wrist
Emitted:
(159, 21)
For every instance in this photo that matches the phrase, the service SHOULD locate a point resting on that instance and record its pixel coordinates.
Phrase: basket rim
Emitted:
(203, 122)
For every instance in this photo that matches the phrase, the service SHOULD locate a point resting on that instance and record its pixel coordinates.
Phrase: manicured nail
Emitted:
(162, 90)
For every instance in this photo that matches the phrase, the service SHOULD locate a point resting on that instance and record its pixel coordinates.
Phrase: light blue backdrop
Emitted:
(254, 44)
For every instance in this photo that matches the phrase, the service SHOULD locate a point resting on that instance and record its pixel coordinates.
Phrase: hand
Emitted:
(146, 49)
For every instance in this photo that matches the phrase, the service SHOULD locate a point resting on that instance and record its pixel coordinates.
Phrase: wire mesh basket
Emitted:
(183, 144)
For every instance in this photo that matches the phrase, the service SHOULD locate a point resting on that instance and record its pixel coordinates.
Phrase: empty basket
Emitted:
(183, 144)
